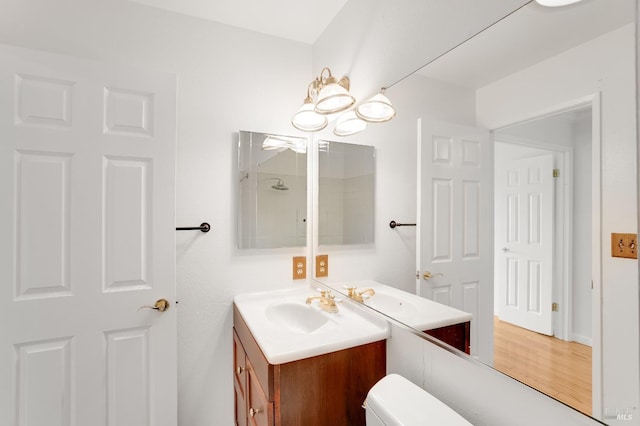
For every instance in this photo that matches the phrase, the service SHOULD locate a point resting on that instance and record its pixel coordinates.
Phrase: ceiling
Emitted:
(298, 20)
(530, 35)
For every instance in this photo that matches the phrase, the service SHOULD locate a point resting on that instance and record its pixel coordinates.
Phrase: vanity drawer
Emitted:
(240, 381)
(261, 367)
(260, 410)
(239, 362)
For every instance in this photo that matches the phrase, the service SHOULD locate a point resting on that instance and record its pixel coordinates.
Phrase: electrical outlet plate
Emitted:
(299, 267)
(624, 245)
(322, 265)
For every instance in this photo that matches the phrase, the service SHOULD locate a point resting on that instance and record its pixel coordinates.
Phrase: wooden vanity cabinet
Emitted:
(239, 381)
(318, 391)
(456, 335)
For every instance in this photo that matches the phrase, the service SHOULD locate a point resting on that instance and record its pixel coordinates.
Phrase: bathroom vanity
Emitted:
(449, 325)
(456, 335)
(279, 384)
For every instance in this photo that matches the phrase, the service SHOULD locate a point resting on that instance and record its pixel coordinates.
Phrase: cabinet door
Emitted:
(240, 381)
(260, 411)
(456, 335)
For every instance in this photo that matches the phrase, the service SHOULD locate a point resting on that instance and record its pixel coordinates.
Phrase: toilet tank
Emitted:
(395, 401)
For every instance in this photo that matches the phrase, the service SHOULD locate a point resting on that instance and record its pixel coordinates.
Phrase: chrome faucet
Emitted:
(358, 295)
(327, 301)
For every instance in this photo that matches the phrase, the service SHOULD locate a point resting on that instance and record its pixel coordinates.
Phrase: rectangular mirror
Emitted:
(272, 191)
(346, 186)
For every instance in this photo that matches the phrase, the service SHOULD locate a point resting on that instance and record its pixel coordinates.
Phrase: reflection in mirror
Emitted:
(272, 191)
(568, 347)
(571, 67)
(345, 193)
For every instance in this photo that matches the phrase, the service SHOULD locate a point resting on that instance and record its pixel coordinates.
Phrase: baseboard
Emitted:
(581, 339)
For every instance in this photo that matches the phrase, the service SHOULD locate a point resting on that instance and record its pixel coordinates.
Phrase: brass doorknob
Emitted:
(160, 305)
(428, 275)
(253, 411)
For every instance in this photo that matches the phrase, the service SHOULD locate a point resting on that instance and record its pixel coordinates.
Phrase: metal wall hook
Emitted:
(204, 227)
(393, 224)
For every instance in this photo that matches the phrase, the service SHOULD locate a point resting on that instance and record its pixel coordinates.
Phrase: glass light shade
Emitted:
(378, 109)
(307, 120)
(333, 98)
(348, 124)
(273, 142)
(555, 3)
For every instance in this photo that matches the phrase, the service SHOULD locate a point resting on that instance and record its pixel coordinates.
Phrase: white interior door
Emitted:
(455, 224)
(525, 243)
(87, 171)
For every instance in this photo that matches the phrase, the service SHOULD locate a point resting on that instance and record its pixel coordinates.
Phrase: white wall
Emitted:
(606, 66)
(222, 88)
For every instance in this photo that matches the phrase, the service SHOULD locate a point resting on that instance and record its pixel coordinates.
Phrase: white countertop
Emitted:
(313, 332)
(414, 311)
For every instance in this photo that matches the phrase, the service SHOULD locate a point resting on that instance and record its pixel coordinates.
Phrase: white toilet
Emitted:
(395, 401)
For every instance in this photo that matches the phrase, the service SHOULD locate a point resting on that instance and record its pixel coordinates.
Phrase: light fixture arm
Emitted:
(328, 70)
(324, 79)
(310, 89)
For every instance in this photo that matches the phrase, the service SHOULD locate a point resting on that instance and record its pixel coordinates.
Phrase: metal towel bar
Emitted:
(204, 227)
(394, 224)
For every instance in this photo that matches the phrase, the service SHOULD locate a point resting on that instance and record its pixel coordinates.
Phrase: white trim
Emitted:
(596, 254)
(419, 202)
(581, 339)
(313, 182)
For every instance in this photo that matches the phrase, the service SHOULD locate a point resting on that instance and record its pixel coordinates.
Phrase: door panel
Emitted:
(87, 162)
(455, 226)
(526, 260)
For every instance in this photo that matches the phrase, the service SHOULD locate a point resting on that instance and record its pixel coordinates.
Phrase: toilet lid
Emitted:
(398, 402)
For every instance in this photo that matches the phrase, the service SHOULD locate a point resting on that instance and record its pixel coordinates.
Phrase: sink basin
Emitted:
(390, 305)
(287, 329)
(296, 317)
(409, 309)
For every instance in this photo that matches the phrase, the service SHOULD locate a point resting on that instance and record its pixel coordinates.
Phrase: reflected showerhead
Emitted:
(280, 186)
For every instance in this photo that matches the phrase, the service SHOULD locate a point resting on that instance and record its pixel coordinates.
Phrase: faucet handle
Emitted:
(351, 290)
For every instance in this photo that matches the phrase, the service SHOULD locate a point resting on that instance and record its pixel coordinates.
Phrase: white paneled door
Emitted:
(87, 171)
(455, 224)
(525, 240)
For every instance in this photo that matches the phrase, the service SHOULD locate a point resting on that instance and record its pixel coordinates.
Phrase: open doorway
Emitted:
(543, 239)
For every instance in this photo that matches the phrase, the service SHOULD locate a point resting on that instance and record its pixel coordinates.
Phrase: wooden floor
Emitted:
(558, 368)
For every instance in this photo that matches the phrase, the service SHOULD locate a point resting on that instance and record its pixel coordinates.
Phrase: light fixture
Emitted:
(327, 96)
(556, 3)
(348, 124)
(333, 95)
(378, 109)
(272, 142)
(307, 119)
